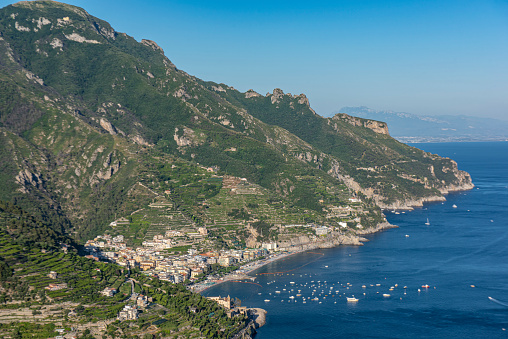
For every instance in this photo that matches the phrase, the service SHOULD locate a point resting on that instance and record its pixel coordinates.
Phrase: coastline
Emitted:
(352, 240)
(244, 271)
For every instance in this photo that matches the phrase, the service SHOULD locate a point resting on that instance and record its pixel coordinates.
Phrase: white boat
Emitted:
(352, 300)
(267, 300)
(386, 295)
(454, 206)
(428, 222)
(291, 297)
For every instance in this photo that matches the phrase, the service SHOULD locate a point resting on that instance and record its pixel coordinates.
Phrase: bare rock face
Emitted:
(303, 100)
(138, 139)
(25, 178)
(78, 38)
(258, 315)
(188, 138)
(108, 126)
(251, 94)
(376, 126)
(152, 44)
(218, 89)
(276, 95)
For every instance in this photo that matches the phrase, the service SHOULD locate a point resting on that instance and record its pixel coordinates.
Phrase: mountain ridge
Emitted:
(116, 99)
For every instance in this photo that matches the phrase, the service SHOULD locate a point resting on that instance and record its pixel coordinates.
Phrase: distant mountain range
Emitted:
(408, 127)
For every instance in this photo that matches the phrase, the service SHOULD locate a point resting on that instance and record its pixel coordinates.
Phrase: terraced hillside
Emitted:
(95, 125)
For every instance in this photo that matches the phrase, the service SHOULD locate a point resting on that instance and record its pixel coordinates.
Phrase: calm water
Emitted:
(463, 246)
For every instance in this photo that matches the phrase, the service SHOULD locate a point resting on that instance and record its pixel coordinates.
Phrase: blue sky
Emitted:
(422, 57)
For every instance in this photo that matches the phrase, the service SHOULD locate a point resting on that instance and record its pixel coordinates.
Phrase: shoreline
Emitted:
(356, 240)
(244, 272)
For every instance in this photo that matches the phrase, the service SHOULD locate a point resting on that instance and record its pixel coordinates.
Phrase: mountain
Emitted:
(95, 125)
(101, 135)
(407, 127)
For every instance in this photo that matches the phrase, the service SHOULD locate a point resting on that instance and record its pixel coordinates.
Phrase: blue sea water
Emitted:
(462, 255)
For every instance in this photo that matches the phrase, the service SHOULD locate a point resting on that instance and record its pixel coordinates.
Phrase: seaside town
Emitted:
(189, 264)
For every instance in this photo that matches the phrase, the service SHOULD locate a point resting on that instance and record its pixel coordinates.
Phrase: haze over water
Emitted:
(462, 255)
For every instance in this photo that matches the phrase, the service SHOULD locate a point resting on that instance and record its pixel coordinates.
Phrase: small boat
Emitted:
(407, 235)
(267, 300)
(454, 206)
(291, 297)
(277, 291)
(428, 222)
(352, 300)
(425, 286)
(386, 295)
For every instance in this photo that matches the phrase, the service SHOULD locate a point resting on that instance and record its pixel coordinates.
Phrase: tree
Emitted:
(5, 271)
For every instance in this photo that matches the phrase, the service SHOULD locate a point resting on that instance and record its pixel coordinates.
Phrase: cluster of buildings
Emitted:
(129, 312)
(174, 268)
(109, 291)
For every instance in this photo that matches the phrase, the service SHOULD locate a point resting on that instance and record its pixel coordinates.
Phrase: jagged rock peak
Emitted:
(152, 44)
(302, 99)
(276, 95)
(251, 93)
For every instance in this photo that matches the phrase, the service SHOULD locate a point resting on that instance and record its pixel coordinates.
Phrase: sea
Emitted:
(462, 255)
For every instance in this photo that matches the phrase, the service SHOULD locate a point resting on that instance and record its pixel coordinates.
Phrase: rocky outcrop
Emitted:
(138, 139)
(258, 315)
(152, 44)
(251, 94)
(78, 38)
(379, 227)
(304, 243)
(218, 89)
(376, 126)
(276, 96)
(187, 137)
(26, 178)
(108, 126)
(408, 204)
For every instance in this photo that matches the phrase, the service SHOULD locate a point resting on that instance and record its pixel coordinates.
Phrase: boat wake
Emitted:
(498, 302)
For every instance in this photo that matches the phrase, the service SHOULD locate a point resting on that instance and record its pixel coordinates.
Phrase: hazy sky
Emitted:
(422, 57)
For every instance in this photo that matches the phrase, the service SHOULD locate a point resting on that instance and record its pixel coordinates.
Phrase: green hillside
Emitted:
(30, 250)
(92, 119)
